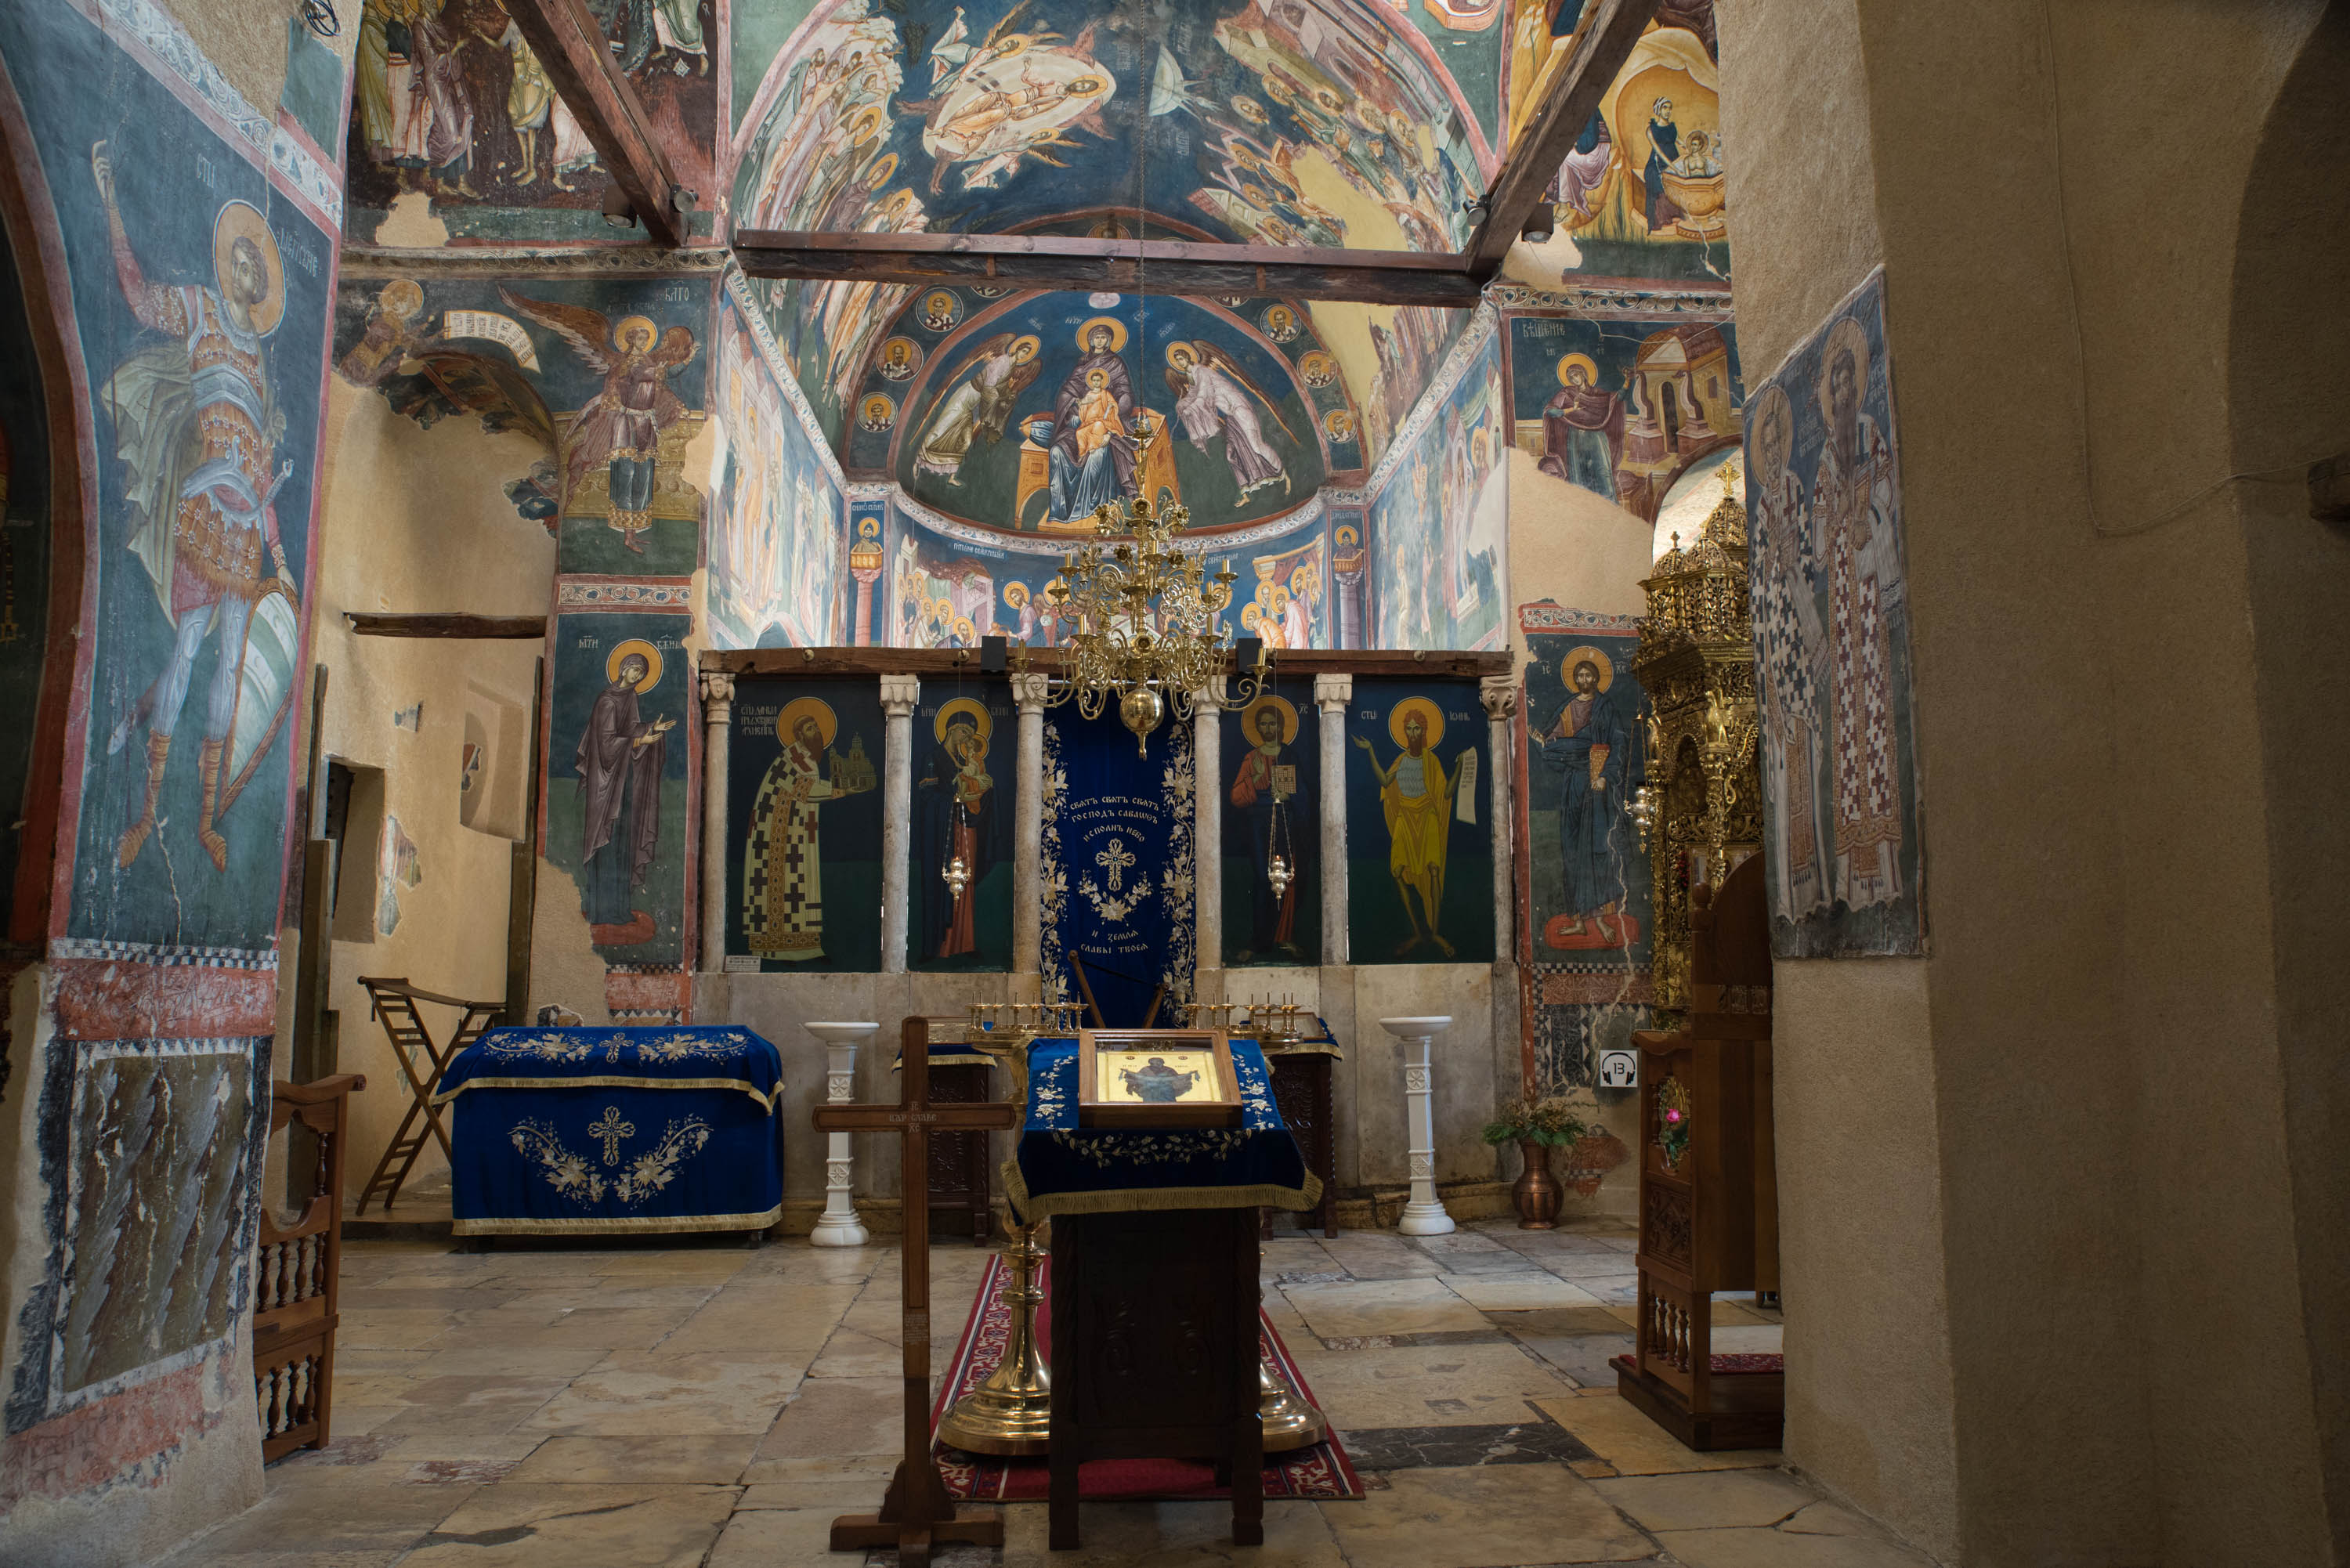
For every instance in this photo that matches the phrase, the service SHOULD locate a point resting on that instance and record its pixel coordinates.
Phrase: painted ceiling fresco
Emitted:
(1276, 121)
(1025, 413)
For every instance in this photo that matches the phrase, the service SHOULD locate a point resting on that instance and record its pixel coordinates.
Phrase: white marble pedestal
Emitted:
(1423, 1214)
(839, 1225)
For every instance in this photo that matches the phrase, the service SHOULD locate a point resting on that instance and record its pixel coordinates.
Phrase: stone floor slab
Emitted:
(1484, 1517)
(1701, 1501)
(523, 1525)
(1636, 1446)
(706, 1457)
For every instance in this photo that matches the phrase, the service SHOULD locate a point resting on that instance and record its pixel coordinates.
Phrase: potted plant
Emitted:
(1536, 1126)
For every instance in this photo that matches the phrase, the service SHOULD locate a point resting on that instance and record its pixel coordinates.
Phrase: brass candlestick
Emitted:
(1012, 1412)
(1290, 1423)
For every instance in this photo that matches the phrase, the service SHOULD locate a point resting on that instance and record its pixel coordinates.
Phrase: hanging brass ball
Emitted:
(1141, 708)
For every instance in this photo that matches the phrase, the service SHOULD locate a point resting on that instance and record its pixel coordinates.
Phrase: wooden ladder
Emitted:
(422, 1064)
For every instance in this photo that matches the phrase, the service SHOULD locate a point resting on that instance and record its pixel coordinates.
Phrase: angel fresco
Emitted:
(621, 427)
(197, 430)
(1209, 402)
(979, 402)
(1008, 98)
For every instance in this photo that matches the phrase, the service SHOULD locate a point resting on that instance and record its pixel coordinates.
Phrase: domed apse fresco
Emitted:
(1027, 414)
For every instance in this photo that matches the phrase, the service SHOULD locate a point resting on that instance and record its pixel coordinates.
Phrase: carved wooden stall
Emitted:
(295, 1277)
(960, 1164)
(1707, 1190)
(1709, 1200)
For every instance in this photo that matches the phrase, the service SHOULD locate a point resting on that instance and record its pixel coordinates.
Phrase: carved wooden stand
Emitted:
(916, 1512)
(1709, 1218)
(297, 1273)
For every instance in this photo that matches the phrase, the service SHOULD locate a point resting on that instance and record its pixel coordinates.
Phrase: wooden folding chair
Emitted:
(394, 1003)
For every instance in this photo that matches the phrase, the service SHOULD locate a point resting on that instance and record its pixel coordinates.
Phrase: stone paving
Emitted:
(718, 1404)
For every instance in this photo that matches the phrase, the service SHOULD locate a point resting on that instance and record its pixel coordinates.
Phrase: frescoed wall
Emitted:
(454, 107)
(966, 793)
(622, 744)
(776, 549)
(1831, 644)
(612, 374)
(949, 584)
(803, 813)
(1583, 878)
(1420, 851)
(1641, 192)
(1622, 407)
(172, 248)
(1030, 413)
(1440, 515)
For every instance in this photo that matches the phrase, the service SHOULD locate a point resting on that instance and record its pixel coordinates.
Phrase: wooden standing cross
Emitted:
(916, 1512)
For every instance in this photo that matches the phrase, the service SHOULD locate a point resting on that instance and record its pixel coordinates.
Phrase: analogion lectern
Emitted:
(1709, 1196)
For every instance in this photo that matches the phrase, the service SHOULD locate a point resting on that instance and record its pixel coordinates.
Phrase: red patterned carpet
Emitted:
(1322, 1472)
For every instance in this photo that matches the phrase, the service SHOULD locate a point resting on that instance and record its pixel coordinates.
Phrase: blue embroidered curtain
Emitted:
(1117, 868)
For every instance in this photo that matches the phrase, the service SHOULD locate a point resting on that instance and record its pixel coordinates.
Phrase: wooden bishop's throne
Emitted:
(1709, 1197)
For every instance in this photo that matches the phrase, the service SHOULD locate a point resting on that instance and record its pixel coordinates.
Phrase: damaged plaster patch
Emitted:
(397, 866)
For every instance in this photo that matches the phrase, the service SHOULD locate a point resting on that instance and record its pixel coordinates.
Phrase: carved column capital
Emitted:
(1333, 691)
(899, 695)
(1029, 691)
(717, 698)
(1500, 695)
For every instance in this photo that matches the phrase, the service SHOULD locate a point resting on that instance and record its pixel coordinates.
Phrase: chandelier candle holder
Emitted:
(1423, 1212)
(839, 1225)
(1142, 610)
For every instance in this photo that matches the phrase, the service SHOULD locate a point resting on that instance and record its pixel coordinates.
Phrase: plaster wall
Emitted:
(2084, 1088)
(411, 520)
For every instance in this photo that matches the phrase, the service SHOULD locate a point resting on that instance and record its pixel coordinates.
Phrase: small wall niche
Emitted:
(354, 828)
(494, 763)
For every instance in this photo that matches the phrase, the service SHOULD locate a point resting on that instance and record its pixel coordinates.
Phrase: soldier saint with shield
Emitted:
(197, 430)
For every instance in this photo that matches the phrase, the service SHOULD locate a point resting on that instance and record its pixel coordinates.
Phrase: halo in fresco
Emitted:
(1430, 713)
(1584, 653)
(970, 710)
(652, 658)
(787, 722)
(1116, 333)
(242, 221)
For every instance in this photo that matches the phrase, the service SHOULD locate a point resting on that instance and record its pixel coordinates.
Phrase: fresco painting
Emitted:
(1623, 408)
(1831, 644)
(619, 752)
(950, 584)
(1273, 790)
(1439, 522)
(804, 814)
(1419, 856)
(776, 546)
(451, 103)
(185, 258)
(24, 582)
(966, 789)
(611, 376)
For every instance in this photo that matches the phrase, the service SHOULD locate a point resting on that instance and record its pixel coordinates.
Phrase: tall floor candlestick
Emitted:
(1424, 1214)
(839, 1225)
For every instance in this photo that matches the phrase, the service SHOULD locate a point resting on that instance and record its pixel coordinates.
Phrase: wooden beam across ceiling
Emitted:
(578, 63)
(1602, 44)
(508, 627)
(1163, 266)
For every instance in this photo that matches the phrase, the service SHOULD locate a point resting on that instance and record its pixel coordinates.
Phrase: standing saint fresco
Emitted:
(1589, 750)
(1210, 403)
(1852, 513)
(1583, 428)
(783, 873)
(979, 403)
(1416, 797)
(954, 799)
(1664, 152)
(1265, 790)
(1790, 653)
(196, 428)
(620, 764)
(620, 428)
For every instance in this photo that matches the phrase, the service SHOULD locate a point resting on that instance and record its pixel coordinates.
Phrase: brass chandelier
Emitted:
(1142, 610)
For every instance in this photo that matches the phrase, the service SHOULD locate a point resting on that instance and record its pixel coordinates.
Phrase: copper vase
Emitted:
(1538, 1193)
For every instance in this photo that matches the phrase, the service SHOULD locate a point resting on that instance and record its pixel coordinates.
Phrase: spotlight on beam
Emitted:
(1539, 226)
(994, 655)
(617, 211)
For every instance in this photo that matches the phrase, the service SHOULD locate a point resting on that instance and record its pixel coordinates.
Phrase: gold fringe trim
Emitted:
(766, 1102)
(1135, 1199)
(615, 1227)
(950, 1059)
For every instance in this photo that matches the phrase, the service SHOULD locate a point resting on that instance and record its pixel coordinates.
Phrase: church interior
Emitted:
(1138, 782)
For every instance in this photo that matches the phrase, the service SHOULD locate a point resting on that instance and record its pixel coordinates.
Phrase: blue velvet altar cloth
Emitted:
(571, 1131)
(1060, 1168)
